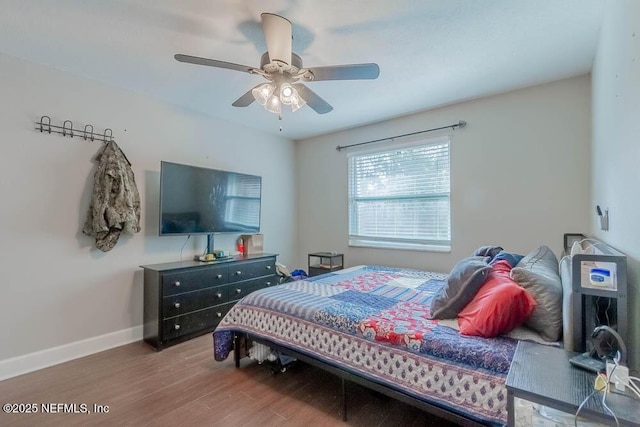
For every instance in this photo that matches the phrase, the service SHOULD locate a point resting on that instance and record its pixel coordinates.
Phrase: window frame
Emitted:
(398, 243)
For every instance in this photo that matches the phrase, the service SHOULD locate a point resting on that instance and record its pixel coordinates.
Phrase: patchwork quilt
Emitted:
(374, 321)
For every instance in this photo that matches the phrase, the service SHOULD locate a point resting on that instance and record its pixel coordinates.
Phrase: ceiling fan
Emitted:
(284, 71)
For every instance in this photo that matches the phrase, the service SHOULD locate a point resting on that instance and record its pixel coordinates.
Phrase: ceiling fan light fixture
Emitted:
(273, 105)
(290, 96)
(297, 102)
(286, 93)
(263, 93)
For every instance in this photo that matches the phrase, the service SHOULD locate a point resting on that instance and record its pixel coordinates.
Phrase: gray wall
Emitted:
(59, 290)
(520, 175)
(616, 146)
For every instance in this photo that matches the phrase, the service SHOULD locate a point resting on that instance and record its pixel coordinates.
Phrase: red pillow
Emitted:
(499, 307)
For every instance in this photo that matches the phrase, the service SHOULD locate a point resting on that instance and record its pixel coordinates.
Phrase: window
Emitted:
(400, 197)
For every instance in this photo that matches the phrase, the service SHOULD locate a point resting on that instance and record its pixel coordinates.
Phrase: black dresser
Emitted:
(185, 299)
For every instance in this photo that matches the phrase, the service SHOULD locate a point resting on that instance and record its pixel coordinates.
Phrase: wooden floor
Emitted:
(183, 385)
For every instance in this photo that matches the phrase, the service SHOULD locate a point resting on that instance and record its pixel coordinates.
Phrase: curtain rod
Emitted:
(461, 124)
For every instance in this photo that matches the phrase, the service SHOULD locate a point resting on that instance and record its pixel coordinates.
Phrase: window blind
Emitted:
(400, 197)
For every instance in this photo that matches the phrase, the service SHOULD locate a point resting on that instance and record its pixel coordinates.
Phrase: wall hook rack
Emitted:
(67, 129)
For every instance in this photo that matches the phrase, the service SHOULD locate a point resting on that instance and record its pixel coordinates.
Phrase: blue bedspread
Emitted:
(374, 321)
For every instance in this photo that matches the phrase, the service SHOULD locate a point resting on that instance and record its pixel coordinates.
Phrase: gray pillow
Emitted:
(464, 281)
(538, 274)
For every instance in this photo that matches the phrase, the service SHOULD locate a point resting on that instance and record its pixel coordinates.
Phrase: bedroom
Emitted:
(69, 300)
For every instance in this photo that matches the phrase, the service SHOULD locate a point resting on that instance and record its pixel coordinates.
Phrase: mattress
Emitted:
(374, 322)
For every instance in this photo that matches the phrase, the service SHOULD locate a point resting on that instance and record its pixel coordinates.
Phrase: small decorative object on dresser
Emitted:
(253, 244)
(185, 299)
(325, 262)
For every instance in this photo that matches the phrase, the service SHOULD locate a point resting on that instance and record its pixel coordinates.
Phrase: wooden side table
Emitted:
(542, 374)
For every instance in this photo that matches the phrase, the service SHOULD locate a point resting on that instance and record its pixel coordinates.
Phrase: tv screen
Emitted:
(195, 200)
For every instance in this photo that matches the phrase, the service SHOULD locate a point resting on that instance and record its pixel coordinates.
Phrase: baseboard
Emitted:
(19, 365)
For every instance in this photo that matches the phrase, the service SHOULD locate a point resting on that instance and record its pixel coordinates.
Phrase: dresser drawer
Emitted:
(240, 289)
(194, 322)
(237, 290)
(264, 282)
(251, 269)
(187, 281)
(177, 304)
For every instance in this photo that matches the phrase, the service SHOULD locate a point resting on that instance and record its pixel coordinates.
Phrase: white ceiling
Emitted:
(430, 53)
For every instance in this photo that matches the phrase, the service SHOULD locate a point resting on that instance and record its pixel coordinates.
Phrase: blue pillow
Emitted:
(512, 259)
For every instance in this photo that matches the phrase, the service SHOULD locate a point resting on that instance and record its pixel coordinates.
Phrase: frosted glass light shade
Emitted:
(287, 92)
(289, 96)
(297, 102)
(263, 93)
(273, 105)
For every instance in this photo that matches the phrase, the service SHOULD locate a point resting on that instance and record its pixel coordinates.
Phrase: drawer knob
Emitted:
(177, 283)
(176, 305)
(219, 276)
(238, 273)
(238, 291)
(219, 295)
(268, 283)
(268, 267)
(219, 314)
(176, 327)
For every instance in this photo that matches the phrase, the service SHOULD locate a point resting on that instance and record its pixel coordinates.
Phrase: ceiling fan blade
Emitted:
(314, 101)
(277, 34)
(212, 63)
(346, 72)
(245, 100)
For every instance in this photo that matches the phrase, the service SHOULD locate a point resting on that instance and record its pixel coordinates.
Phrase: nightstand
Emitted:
(325, 262)
(542, 375)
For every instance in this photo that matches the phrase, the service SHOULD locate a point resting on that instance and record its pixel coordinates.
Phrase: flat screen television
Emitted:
(196, 200)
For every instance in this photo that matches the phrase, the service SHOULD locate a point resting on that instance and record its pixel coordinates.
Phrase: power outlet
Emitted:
(618, 376)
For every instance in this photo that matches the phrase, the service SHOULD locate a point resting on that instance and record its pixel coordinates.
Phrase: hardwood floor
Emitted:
(183, 385)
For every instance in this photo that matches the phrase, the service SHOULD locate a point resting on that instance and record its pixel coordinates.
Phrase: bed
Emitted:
(372, 325)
